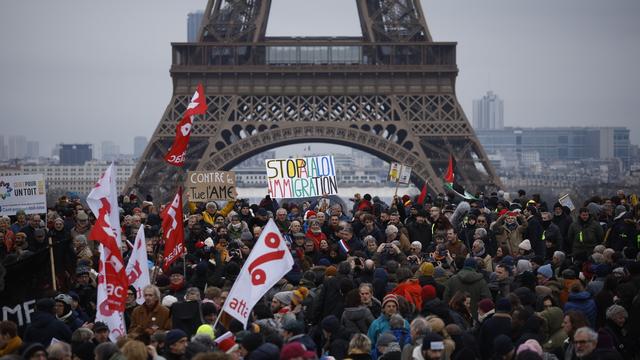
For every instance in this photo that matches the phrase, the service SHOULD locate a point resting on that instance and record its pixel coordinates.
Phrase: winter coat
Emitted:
(582, 302)
(585, 235)
(551, 232)
(186, 316)
(438, 308)
(499, 323)
(378, 326)
(44, 327)
(621, 339)
(420, 232)
(534, 234)
(622, 233)
(330, 300)
(553, 317)
(510, 237)
(357, 319)
(143, 318)
(471, 282)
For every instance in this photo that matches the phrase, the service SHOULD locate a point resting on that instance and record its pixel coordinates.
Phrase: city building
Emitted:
(3, 149)
(109, 151)
(488, 112)
(33, 149)
(75, 154)
(558, 143)
(139, 144)
(17, 147)
(79, 178)
(194, 20)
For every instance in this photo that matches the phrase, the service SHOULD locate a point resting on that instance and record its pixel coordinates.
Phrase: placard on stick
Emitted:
(203, 186)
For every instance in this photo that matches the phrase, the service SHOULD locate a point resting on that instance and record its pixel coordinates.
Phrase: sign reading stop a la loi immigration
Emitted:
(269, 261)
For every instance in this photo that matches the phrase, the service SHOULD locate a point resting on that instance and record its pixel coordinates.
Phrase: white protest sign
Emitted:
(301, 177)
(23, 192)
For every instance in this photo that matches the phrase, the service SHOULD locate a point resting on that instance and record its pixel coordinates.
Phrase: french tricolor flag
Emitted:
(344, 246)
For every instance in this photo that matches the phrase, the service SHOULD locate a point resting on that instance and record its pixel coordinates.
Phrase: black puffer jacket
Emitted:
(357, 319)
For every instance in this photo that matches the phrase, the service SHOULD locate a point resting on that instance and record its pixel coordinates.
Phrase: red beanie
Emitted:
(428, 293)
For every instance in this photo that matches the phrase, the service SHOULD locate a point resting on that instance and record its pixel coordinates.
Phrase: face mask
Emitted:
(237, 226)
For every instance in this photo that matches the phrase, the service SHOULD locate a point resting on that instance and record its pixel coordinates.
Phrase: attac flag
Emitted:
(173, 230)
(138, 266)
(178, 151)
(450, 181)
(112, 279)
(269, 261)
(423, 194)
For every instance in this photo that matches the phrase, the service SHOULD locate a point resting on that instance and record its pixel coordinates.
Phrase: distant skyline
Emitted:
(87, 72)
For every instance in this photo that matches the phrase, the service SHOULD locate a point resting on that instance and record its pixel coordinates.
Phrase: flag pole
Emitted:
(398, 181)
(53, 265)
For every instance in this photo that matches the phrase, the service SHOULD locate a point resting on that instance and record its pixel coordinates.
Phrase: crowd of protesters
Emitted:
(494, 278)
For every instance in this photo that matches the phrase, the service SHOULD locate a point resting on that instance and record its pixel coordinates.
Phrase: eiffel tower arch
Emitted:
(390, 93)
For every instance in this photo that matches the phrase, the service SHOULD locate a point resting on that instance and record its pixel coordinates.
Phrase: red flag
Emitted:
(449, 175)
(173, 230)
(178, 151)
(112, 280)
(423, 194)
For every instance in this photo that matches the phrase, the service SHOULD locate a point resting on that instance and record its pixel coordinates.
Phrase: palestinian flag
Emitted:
(451, 184)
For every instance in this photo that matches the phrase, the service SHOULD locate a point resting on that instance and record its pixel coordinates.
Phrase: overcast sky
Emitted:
(88, 70)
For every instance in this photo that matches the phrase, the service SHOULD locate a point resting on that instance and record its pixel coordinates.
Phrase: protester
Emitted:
(475, 279)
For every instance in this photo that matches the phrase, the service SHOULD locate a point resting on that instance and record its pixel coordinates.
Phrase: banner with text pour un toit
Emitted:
(22, 192)
(301, 177)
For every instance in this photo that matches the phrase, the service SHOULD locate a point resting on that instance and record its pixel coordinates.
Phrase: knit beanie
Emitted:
(427, 269)
(173, 336)
(284, 297)
(331, 271)
(486, 305)
(299, 295)
(546, 271)
(531, 345)
(525, 245)
(502, 345)
(390, 298)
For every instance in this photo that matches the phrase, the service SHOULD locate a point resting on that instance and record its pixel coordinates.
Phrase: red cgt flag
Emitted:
(173, 230)
(178, 151)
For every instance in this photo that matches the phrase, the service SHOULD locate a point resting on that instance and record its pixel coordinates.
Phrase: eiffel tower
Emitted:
(390, 92)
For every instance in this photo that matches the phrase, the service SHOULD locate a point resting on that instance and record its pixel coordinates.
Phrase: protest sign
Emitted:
(204, 186)
(301, 177)
(565, 200)
(399, 173)
(22, 192)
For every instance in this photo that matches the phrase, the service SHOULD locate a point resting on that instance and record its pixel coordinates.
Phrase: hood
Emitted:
(354, 313)
(469, 277)
(581, 296)
(41, 319)
(554, 317)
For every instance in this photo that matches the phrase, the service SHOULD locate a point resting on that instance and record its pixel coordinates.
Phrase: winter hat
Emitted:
(502, 345)
(428, 293)
(568, 274)
(507, 260)
(169, 300)
(620, 210)
(427, 269)
(525, 245)
(385, 339)
(546, 271)
(503, 305)
(45, 305)
(206, 329)
(439, 272)
(265, 351)
(471, 263)
(523, 265)
(299, 295)
(330, 324)
(246, 236)
(530, 345)
(82, 215)
(293, 326)
(295, 350)
(486, 305)
(390, 298)
(252, 342)
(284, 297)
(31, 349)
(432, 341)
(173, 336)
(331, 271)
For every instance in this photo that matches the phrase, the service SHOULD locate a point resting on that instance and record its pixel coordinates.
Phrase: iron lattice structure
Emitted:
(390, 93)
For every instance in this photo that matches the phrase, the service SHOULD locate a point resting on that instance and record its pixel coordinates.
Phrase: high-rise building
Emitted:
(33, 149)
(75, 154)
(110, 151)
(194, 20)
(488, 112)
(3, 149)
(17, 147)
(139, 144)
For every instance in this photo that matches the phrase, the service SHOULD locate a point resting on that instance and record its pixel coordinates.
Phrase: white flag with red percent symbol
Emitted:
(112, 279)
(269, 261)
(138, 266)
